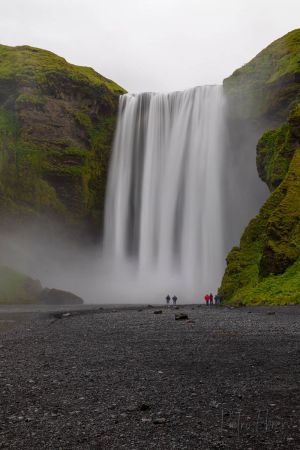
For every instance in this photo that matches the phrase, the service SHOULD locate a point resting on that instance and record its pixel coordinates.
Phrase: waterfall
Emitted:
(163, 214)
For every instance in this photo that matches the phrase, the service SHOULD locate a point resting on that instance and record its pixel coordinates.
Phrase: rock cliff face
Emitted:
(265, 268)
(56, 127)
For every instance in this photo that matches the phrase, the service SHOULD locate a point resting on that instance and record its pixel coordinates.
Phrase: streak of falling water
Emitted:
(163, 217)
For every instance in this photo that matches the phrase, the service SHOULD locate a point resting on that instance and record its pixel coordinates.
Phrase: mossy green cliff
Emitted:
(265, 268)
(268, 86)
(56, 128)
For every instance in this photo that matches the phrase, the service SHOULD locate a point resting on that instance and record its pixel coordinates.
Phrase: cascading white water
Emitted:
(163, 216)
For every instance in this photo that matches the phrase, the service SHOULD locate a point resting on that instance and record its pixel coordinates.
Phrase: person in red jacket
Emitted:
(207, 299)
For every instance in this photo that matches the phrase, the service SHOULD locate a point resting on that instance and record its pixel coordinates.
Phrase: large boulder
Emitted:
(59, 297)
(17, 288)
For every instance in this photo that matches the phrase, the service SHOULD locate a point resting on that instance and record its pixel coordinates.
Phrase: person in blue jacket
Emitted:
(217, 300)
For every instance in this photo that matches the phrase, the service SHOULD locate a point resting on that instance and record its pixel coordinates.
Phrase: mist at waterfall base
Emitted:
(181, 188)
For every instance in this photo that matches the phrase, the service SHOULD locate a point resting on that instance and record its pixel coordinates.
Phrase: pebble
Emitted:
(144, 407)
(159, 420)
(181, 316)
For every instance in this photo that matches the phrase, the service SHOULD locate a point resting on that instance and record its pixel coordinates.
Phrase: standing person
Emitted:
(211, 299)
(207, 298)
(168, 298)
(174, 298)
(217, 300)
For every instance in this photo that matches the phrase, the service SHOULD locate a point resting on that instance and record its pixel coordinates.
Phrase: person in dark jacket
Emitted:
(174, 298)
(168, 299)
(211, 299)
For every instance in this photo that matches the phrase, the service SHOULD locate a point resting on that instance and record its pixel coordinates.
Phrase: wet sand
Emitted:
(126, 378)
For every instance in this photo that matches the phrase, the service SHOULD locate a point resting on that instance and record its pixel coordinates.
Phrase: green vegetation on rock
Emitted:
(37, 66)
(56, 128)
(17, 288)
(268, 87)
(265, 268)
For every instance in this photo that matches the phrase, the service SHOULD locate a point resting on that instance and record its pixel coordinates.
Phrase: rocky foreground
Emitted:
(127, 378)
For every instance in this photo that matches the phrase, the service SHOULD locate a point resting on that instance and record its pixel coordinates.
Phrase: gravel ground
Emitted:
(127, 378)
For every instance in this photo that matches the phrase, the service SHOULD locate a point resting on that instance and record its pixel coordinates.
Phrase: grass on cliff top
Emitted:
(33, 63)
(278, 59)
(268, 86)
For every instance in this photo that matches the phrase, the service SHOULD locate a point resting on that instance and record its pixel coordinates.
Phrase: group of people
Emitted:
(168, 300)
(210, 299)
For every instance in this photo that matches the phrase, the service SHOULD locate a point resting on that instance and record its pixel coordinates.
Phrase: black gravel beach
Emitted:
(136, 378)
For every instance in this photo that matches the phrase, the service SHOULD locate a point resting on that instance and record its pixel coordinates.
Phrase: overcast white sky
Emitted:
(151, 45)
